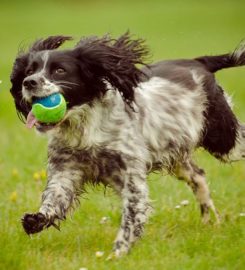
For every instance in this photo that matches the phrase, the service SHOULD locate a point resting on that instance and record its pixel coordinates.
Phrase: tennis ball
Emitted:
(49, 109)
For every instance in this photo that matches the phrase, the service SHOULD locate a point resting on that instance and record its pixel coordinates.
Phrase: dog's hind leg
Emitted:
(195, 178)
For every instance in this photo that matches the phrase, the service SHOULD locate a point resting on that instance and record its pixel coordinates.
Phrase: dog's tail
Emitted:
(234, 59)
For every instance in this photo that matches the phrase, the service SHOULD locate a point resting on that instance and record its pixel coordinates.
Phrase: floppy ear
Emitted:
(17, 77)
(107, 60)
(18, 71)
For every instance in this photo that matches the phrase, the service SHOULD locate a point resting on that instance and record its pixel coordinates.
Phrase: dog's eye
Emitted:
(29, 72)
(60, 71)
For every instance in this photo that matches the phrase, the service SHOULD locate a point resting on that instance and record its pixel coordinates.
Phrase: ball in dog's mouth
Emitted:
(46, 112)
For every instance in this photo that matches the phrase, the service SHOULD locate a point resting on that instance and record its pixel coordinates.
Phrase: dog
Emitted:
(125, 119)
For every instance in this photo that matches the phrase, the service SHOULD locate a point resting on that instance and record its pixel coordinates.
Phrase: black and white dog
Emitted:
(123, 122)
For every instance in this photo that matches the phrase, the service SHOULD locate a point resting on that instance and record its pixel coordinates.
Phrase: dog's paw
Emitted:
(113, 256)
(34, 223)
(119, 251)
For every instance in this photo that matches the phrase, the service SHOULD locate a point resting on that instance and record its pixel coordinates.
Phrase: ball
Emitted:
(50, 109)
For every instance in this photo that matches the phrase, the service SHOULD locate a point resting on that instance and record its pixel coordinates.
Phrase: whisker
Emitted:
(64, 86)
(66, 82)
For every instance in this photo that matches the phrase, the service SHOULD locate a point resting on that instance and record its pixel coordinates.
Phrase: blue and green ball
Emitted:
(50, 109)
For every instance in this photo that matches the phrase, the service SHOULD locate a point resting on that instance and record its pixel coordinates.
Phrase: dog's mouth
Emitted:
(31, 121)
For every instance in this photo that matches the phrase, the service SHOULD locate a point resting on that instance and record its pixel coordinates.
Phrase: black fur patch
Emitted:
(34, 223)
(17, 76)
(220, 132)
(108, 60)
(96, 165)
(215, 63)
(204, 209)
(50, 43)
(174, 70)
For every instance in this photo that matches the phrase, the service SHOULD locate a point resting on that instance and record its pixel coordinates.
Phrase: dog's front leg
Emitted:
(64, 185)
(136, 209)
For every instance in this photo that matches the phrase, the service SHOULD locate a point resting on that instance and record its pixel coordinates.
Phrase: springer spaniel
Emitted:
(123, 122)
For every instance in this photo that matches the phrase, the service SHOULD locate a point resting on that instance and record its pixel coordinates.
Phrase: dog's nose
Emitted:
(30, 84)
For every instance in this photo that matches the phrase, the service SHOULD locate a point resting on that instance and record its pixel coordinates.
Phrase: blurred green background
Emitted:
(172, 28)
(173, 240)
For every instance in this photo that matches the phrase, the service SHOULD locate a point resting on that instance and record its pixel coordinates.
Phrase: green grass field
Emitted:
(174, 239)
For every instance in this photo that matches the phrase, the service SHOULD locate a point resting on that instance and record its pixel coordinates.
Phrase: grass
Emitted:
(174, 239)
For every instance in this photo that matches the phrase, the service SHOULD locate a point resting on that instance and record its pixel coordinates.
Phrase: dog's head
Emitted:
(81, 74)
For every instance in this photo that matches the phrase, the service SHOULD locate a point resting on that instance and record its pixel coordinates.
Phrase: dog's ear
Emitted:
(50, 43)
(110, 60)
(17, 77)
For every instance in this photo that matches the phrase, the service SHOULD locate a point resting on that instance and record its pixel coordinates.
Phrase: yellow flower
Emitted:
(13, 196)
(15, 173)
(36, 176)
(43, 174)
